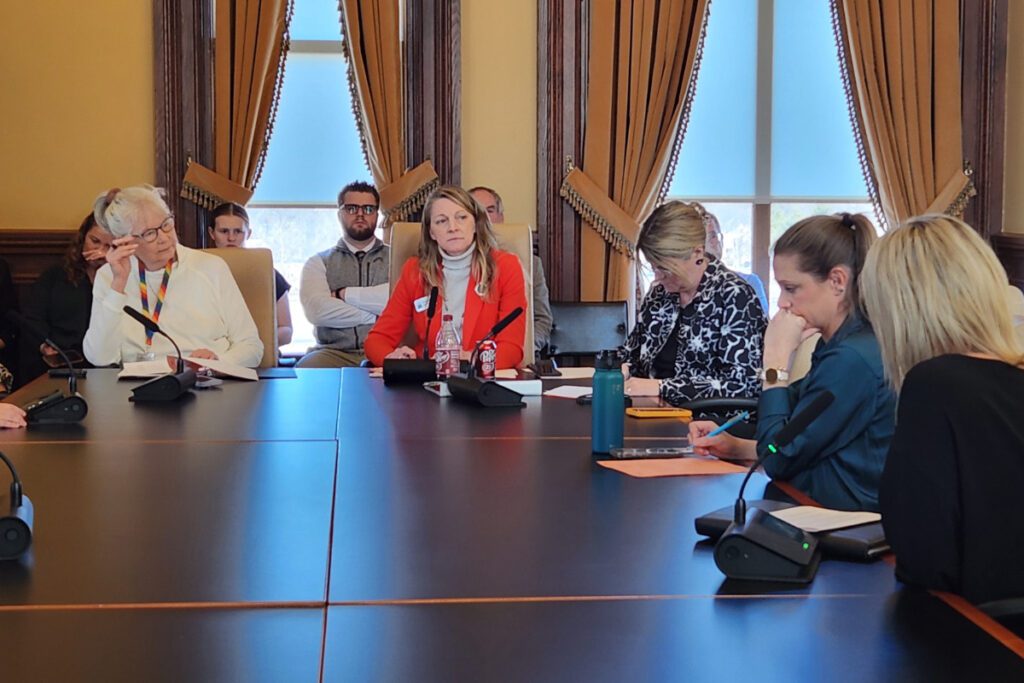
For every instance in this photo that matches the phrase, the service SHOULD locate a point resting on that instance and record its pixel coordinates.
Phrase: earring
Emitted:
(699, 262)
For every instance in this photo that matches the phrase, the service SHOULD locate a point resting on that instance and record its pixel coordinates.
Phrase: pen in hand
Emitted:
(718, 430)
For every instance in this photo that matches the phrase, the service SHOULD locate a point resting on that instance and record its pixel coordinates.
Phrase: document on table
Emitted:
(672, 467)
(155, 368)
(568, 391)
(812, 519)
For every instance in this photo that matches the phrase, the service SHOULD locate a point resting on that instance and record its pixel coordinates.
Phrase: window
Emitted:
(769, 139)
(313, 153)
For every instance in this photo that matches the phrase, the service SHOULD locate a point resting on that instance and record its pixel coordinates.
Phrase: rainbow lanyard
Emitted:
(144, 295)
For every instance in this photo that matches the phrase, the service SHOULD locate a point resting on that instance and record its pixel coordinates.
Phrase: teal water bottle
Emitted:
(608, 408)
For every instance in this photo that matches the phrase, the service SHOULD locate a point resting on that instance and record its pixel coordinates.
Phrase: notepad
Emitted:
(674, 467)
(813, 519)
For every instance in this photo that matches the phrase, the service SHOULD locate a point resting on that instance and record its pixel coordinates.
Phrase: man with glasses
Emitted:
(344, 288)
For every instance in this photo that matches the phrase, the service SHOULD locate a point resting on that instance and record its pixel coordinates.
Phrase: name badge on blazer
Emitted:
(421, 304)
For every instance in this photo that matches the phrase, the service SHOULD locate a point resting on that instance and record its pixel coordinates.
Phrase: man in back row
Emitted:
(345, 288)
(491, 202)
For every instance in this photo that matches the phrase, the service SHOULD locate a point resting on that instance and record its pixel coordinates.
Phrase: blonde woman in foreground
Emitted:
(950, 491)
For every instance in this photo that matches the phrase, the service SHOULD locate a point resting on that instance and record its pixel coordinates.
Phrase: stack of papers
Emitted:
(812, 519)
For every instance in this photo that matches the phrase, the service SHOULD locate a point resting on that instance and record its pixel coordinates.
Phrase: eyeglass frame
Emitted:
(166, 226)
(354, 209)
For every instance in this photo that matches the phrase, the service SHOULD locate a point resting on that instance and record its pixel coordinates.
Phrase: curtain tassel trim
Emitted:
(285, 46)
(210, 189)
(684, 120)
(353, 90)
(851, 108)
(597, 209)
(404, 197)
(953, 198)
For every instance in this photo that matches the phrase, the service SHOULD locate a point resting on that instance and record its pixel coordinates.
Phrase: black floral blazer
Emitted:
(721, 338)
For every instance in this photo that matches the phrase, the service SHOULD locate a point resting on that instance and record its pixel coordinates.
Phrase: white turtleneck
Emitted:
(456, 282)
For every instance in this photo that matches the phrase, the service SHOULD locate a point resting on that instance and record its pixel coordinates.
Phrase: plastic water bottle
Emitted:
(447, 348)
(608, 407)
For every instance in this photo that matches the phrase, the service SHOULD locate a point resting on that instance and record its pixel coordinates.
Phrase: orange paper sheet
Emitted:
(671, 467)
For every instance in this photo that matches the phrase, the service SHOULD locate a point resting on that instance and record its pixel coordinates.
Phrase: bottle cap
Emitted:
(607, 360)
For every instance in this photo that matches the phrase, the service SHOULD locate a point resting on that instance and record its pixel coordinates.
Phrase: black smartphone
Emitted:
(64, 372)
(56, 360)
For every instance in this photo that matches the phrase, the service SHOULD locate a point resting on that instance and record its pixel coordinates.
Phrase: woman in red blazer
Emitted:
(477, 284)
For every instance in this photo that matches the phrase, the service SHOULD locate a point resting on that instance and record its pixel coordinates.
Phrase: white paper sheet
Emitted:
(568, 391)
(813, 520)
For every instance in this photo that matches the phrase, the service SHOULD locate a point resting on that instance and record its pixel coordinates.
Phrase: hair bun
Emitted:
(847, 220)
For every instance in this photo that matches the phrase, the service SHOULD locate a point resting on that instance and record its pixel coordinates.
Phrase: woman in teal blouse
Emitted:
(838, 459)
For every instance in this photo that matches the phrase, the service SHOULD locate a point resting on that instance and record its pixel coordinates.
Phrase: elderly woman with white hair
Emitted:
(190, 294)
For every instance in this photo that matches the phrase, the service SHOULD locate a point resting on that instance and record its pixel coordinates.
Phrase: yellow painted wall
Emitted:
(1013, 202)
(76, 106)
(499, 102)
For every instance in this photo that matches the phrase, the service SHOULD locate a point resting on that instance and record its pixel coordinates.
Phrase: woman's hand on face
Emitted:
(784, 334)
(11, 416)
(204, 353)
(723, 445)
(119, 258)
(402, 352)
(641, 386)
(94, 255)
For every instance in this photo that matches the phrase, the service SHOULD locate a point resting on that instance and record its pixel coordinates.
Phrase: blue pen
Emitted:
(718, 430)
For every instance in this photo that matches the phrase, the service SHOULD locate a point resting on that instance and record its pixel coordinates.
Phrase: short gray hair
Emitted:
(117, 211)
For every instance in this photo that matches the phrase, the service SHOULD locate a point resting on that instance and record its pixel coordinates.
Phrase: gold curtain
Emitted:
(251, 43)
(373, 50)
(901, 64)
(644, 56)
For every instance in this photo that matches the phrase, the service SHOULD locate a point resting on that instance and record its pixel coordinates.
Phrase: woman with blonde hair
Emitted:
(478, 285)
(838, 458)
(700, 329)
(949, 495)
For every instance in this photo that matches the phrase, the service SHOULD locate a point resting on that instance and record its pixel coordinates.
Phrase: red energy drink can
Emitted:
(486, 359)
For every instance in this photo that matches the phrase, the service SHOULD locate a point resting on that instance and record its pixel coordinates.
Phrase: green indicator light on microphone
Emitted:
(806, 546)
(771, 447)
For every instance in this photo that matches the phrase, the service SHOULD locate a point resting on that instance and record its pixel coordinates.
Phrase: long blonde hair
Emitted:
(484, 242)
(933, 287)
(671, 232)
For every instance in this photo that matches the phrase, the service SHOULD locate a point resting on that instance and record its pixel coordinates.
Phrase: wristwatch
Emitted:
(773, 375)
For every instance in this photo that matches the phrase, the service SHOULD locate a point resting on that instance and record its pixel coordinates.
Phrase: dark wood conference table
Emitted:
(326, 527)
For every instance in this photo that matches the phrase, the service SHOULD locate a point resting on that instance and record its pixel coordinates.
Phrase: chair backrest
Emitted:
(253, 270)
(514, 238)
(584, 328)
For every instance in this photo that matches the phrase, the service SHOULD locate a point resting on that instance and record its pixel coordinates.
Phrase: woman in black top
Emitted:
(700, 330)
(950, 491)
(61, 299)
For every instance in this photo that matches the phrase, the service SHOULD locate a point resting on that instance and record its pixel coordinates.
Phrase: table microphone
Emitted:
(489, 394)
(55, 408)
(431, 310)
(166, 387)
(759, 546)
(16, 528)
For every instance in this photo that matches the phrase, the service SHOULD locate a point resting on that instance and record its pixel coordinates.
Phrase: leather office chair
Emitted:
(514, 238)
(1008, 612)
(253, 270)
(582, 329)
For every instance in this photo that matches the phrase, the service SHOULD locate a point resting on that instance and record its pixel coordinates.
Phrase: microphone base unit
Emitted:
(765, 548)
(56, 408)
(487, 394)
(16, 530)
(164, 388)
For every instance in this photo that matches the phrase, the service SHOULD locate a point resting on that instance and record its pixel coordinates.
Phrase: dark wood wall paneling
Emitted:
(561, 98)
(183, 91)
(983, 97)
(30, 251)
(433, 86)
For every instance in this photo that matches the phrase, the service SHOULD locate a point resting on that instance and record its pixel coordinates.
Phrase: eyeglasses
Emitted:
(165, 227)
(353, 209)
